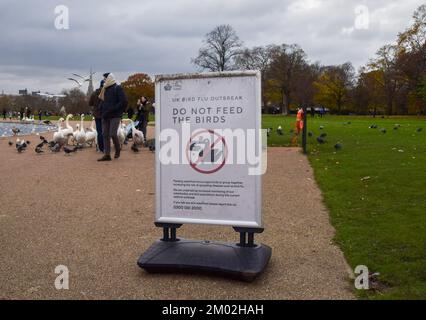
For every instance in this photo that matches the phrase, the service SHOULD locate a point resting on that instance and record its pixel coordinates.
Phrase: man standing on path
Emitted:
(95, 104)
(114, 102)
(143, 115)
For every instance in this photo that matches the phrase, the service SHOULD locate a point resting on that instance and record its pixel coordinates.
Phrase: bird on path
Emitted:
(42, 138)
(134, 148)
(20, 145)
(55, 148)
(10, 143)
(39, 149)
(70, 150)
(41, 144)
(151, 145)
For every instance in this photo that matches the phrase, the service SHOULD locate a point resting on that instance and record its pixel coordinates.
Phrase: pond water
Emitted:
(26, 128)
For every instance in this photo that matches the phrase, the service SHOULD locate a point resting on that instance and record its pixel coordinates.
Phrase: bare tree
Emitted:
(288, 62)
(219, 50)
(74, 101)
(257, 58)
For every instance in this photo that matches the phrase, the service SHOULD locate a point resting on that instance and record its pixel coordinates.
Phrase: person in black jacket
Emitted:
(95, 104)
(143, 115)
(114, 102)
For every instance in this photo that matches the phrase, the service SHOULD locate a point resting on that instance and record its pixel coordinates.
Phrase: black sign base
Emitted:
(224, 259)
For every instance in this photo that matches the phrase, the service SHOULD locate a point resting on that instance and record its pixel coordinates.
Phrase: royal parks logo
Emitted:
(175, 86)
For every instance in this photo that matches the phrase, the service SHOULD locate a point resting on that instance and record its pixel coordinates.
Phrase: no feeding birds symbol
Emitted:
(206, 151)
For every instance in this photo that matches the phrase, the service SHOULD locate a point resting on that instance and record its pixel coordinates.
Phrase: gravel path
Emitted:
(97, 218)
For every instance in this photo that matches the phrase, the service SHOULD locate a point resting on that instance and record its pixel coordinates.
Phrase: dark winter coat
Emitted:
(95, 103)
(115, 102)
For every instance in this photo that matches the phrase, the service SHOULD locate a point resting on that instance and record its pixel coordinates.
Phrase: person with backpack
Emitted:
(114, 102)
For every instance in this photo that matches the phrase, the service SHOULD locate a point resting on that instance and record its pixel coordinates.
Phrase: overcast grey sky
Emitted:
(161, 36)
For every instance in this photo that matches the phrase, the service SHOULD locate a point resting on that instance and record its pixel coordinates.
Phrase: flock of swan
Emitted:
(67, 135)
(79, 137)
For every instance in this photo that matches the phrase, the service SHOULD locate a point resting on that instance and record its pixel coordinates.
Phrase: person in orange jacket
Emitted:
(299, 120)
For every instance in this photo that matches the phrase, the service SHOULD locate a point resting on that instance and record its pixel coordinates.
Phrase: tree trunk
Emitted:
(389, 105)
(286, 103)
(339, 106)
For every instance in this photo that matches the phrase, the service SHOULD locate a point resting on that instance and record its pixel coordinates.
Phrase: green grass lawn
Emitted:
(375, 188)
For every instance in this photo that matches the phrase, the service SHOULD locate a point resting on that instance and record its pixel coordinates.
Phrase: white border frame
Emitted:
(159, 79)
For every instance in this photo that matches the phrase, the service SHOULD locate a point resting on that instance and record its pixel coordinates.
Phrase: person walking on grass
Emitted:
(4, 114)
(95, 103)
(114, 102)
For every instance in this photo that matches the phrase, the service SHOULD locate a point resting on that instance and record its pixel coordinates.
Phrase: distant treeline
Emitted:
(393, 82)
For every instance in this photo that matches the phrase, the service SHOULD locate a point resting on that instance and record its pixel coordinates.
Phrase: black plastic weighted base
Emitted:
(225, 259)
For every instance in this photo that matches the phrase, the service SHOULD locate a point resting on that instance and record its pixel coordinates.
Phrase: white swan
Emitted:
(121, 133)
(68, 130)
(137, 135)
(91, 134)
(80, 136)
(77, 129)
(58, 136)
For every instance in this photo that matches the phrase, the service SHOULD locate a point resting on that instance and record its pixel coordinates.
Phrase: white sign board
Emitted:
(208, 142)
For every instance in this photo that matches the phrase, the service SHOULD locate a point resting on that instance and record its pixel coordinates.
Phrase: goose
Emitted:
(58, 136)
(137, 135)
(91, 134)
(80, 136)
